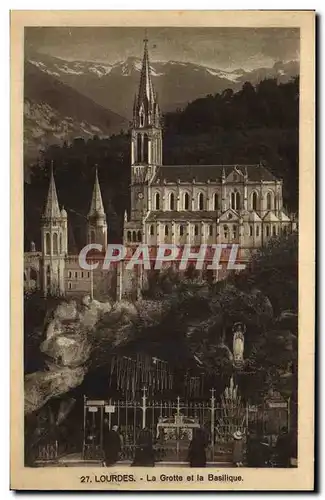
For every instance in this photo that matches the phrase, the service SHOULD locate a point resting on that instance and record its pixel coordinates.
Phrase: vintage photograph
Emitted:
(161, 209)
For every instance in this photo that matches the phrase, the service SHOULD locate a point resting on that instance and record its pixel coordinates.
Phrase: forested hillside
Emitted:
(255, 124)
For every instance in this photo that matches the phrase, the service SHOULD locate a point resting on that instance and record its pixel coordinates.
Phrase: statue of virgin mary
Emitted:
(238, 343)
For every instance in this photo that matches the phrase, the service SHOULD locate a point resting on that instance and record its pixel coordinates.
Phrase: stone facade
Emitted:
(170, 204)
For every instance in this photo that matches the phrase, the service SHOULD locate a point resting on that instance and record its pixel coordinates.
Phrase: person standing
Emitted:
(196, 452)
(144, 452)
(238, 449)
(112, 445)
(283, 449)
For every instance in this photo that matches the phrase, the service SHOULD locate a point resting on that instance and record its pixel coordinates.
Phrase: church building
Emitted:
(171, 204)
(195, 204)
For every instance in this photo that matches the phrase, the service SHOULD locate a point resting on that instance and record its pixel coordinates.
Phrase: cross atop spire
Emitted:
(145, 40)
(52, 210)
(96, 207)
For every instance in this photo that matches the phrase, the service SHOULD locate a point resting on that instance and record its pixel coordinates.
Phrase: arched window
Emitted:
(141, 116)
(47, 244)
(273, 230)
(234, 232)
(233, 201)
(284, 230)
(152, 230)
(171, 201)
(257, 230)
(69, 285)
(267, 230)
(48, 277)
(55, 244)
(237, 201)
(145, 148)
(157, 201)
(225, 231)
(269, 201)
(251, 230)
(210, 230)
(254, 201)
(181, 230)
(166, 230)
(139, 144)
(61, 248)
(139, 236)
(215, 201)
(129, 235)
(201, 201)
(186, 201)
(196, 230)
(134, 236)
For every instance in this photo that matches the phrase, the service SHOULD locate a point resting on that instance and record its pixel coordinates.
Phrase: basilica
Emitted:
(170, 204)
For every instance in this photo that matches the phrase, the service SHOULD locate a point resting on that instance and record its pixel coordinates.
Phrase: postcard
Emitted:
(162, 250)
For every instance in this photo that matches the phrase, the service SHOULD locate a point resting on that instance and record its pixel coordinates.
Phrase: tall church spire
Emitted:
(52, 210)
(96, 207)
(146, 110)
(54, 230)
(146, 92)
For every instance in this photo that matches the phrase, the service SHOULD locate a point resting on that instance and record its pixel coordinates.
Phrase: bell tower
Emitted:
(54, 227)
(146, 137)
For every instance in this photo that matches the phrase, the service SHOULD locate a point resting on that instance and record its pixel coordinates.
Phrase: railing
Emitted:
(48, 451)
(176, 419)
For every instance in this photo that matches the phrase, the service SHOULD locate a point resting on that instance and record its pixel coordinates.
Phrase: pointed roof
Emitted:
(52, 209)
(146, 92)
(251, 216)
(229, 215)
(96, 207)
(270, 217)
(283, 217)
(254, 217)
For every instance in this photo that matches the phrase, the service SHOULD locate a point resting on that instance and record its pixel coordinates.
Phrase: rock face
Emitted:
(42, 386)
(67, 347)
(71, 336)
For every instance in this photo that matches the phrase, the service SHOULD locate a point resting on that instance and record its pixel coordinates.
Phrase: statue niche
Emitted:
(238, 344)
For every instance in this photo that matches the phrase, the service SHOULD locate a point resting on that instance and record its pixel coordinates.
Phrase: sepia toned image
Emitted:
(165, 186)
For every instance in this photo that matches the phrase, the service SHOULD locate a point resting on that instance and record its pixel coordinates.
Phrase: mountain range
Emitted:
(66, 99)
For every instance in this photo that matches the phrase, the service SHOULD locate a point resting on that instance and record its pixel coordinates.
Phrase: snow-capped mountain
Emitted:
(54, 112)
(113, 85)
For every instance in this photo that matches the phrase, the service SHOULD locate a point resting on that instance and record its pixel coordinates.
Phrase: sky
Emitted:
(223, 48)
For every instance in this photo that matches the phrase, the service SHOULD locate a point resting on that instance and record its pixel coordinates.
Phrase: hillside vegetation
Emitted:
(255, 124)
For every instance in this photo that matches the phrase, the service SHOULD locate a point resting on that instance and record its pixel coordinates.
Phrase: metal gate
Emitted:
(171, 423)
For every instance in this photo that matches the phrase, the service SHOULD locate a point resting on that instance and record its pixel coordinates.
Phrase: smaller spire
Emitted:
(96, 207)
(125, 216)
(52, 210)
